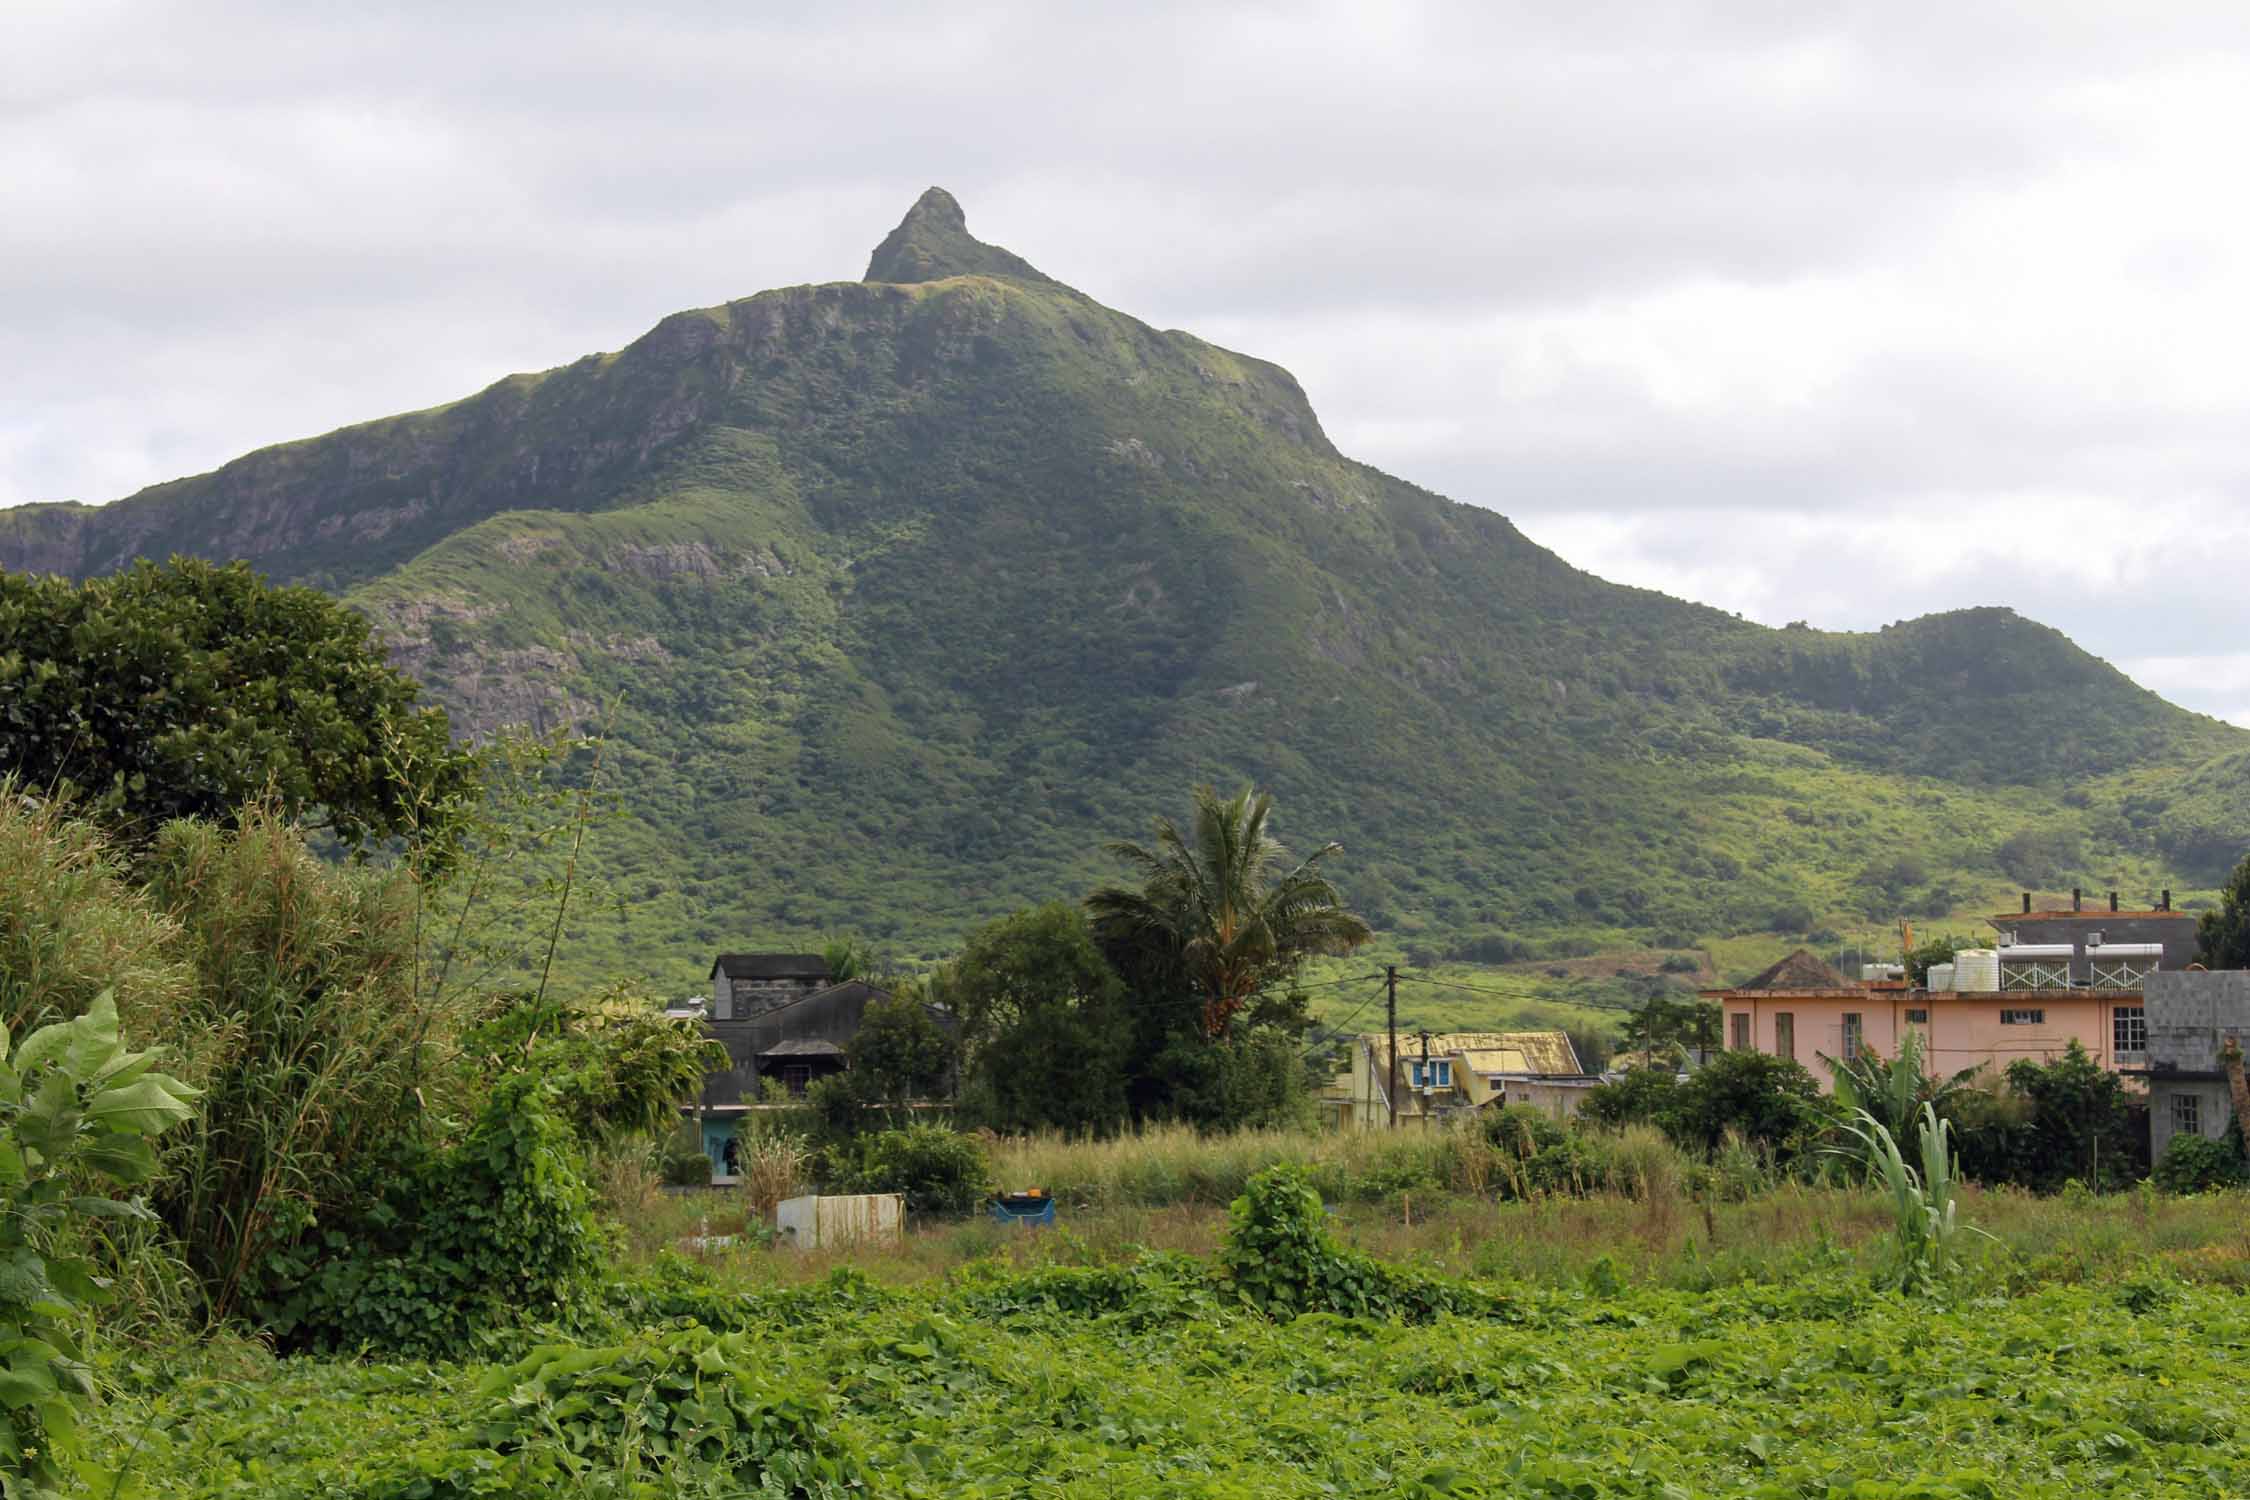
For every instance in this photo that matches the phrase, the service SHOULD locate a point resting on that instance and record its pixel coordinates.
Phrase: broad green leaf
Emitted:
(147, 1106)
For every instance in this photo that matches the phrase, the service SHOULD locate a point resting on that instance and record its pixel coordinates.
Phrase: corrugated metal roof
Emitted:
(1534, 1051)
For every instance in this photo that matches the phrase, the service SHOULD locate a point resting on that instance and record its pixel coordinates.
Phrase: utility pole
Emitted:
(1424, 1116)
(1390, 1007)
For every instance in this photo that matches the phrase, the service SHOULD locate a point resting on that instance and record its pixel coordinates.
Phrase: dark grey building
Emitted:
(780, 1019)
(791, 1036)
(746, 983)
(2190, 1015)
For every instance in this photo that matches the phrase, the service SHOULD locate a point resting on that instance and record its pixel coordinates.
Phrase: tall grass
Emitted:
(70, 927)
(1164, 1165)
(1173, 1164)
(307, 1033)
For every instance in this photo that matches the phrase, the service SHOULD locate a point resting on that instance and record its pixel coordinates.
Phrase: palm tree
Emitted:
(1223, 914)
(1893, 1093)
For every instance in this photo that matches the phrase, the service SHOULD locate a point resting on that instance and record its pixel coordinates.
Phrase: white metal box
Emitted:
(813, 1222)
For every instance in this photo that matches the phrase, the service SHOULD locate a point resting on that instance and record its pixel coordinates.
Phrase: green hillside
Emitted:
(913, 590)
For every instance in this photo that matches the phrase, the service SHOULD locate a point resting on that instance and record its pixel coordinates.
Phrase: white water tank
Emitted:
(1976, 970)
(1941, 977)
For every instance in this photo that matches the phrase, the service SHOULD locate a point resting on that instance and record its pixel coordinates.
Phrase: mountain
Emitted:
(909, 592)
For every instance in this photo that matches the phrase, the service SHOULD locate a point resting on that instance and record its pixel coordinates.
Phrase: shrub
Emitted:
(1643, 1095)
(685, 1165)
(494, 1231)
(1280, 1259)
(2196, 1164)
(1771, 1101)
(938, 1170)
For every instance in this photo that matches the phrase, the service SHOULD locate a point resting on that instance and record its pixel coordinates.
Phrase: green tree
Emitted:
(900, 1052)
(1664, 1026)
(1044, 1021)
(2081, 1123)
(191, 689)
(1770, 1101)
(1640, 1095)
(2224, 931)
(616, 1067)
(1221, 911)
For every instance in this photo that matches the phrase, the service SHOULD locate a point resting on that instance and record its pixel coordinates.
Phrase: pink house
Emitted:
(2052, 978)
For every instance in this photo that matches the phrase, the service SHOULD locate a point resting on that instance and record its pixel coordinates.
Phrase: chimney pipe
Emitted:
(2166, 903)
(2077, 899)
(2027, 903)
(2113, 900)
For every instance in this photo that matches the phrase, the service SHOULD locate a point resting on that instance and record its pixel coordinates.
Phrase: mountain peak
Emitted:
(933, 242)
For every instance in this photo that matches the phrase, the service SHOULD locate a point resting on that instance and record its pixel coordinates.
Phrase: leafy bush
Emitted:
(1644, 1095)
(685, 1165)
(494, 1231)
(75, 1108)
(2196, 1164)
(1770, 1101)
(619, 1067)
(938, 1170)
(1279, 1258)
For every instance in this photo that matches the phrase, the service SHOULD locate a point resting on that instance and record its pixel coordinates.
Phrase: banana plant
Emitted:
(77, 1111)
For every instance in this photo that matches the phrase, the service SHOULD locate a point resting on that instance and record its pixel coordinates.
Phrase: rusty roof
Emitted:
(1540, 1052)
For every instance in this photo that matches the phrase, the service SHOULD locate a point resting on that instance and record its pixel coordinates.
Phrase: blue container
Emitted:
(1034, 1210)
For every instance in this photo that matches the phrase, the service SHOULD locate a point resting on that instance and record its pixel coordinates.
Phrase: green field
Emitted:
(2099, 1348)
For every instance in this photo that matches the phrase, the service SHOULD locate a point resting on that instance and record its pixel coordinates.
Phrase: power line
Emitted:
(1337, 1030)
(1518, 995)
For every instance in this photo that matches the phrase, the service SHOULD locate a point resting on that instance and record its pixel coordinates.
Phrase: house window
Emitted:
(1852, 1030)
(1437, 1073)
(796, 1078)
(2023, 1018)
(2128, 1030)
(2187, 1114)
(1917, 1018)
(1785, 1035)
(1740, 1020)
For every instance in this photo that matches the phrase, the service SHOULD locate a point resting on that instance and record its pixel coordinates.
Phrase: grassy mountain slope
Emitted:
(911, 591)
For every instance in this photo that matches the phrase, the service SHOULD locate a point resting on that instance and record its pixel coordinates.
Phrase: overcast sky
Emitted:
(1834, 312)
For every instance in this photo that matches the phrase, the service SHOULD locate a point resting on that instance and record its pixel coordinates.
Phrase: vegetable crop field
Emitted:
(1153, 1378)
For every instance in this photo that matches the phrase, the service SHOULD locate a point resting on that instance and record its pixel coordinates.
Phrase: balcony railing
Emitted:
(2035, 974)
